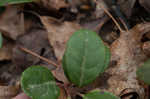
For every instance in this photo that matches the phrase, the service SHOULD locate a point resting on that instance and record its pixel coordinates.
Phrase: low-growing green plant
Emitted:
(85, 58)
(143, 72)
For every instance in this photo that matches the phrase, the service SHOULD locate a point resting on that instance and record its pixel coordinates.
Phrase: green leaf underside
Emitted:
(1, 40)
(84, 58)
(97, 94)
(143, 72)
(6, 2)
(38, 83)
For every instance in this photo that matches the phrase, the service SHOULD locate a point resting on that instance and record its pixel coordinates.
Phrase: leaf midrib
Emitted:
(83, 61)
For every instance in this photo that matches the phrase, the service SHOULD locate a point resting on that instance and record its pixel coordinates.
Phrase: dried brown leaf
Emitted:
(11, 23)
(7, 92)
(53, 4)
(128, 54)
(59, 33)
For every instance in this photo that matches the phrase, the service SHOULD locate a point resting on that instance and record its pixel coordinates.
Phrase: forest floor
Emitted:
(36, 34)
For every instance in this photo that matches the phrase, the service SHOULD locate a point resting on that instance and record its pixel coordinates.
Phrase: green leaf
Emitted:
(6, 2)
(143, 72)
(97, 94)
(38, 83)
(1, 40)
(85, 57)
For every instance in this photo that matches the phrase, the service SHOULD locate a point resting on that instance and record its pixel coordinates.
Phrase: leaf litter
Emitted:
(48, 35)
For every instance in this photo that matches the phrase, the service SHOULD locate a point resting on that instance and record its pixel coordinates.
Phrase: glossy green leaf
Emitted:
(85, 57)
(97, 94)
(38, 83)
(1, 40)
(6, 2)
(143, 72)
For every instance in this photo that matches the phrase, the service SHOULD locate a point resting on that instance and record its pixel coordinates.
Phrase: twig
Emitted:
(108, 13)
(40, 57)
(118, 12)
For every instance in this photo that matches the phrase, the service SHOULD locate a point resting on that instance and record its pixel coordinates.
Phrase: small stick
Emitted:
(108, 13)
(40, 57)
(120, 15)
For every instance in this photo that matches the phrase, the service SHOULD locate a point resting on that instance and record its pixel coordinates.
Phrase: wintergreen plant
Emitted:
(85, 58)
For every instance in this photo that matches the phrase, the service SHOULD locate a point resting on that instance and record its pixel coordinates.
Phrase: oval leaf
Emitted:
(143, 72)
(97, 94)
(6, 2)
(1, 40)
(38, 83)
(85, 57)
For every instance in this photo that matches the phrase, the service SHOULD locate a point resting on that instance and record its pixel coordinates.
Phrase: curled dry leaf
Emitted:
(53, 4)
(11, 24)
(128, 54)
(7, 92)
(59, 33)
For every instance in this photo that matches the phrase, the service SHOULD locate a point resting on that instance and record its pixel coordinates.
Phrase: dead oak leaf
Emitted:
(53, 4)
(128, 54)
(59, 33)
(12, 22)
